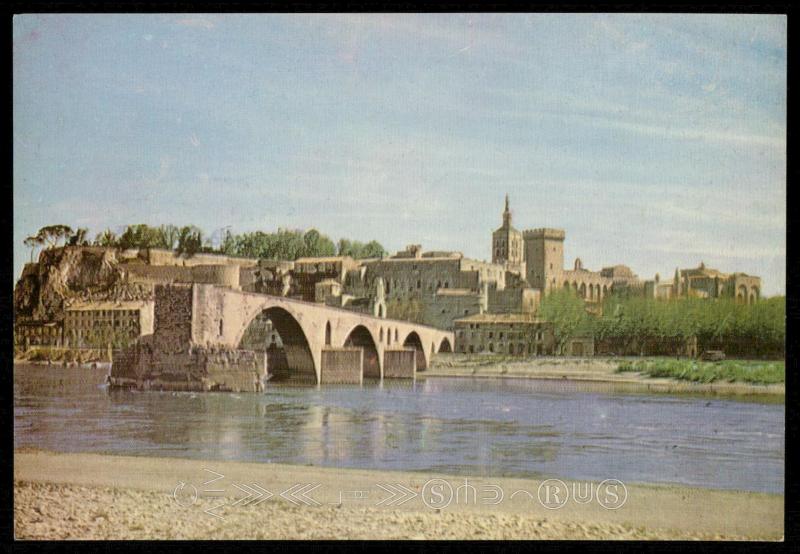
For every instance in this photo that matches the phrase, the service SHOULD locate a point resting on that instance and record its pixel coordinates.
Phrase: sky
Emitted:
(655, 141)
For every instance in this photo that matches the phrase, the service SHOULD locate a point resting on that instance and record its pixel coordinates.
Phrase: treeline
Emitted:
(757, 329)
(748, 330)
(284, 244)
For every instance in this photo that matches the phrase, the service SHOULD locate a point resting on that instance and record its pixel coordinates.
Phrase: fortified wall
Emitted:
(224, 275)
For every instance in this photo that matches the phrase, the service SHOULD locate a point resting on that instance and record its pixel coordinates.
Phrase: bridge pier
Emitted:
(342, 366)
(400, 363)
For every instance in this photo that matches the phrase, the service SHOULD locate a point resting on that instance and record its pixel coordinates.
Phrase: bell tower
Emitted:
(508, 245)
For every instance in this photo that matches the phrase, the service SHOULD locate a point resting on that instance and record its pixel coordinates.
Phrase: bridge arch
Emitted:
(445, 346)
(297, 360)
(360, 336)
(413, 341)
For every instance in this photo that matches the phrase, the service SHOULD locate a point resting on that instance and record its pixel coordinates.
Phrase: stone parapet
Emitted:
(544, 233)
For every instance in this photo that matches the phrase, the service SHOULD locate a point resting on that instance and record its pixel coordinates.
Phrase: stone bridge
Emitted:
(316, 338)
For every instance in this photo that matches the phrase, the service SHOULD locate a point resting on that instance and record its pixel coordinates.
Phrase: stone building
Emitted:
(96, 324)
(38, 333)
(540, 260)
(308, 272)
(592, 286)
(623, 279)
(508, 247)
(412, 274)
(544, 259)
(704, 282)
(369, 300)
(448, 305)
(515, 334)
(516, 299)
(268, 277)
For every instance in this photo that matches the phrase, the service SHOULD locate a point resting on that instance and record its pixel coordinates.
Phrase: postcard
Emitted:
(399, 276)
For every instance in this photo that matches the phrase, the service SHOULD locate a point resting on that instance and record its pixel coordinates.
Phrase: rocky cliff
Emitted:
(63, 275)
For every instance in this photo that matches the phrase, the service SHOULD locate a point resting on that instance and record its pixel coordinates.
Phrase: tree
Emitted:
(33, 242)
(228, 245)
(190, 241)
(567, 313)
(52, 234)
(168, 236)
(317, 244)
(373, 249)
(359, 250)
(346, 247)
(106, 238)
(140, 236)
(78, 238)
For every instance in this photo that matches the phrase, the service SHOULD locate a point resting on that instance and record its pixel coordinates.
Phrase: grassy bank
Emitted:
(696, 371)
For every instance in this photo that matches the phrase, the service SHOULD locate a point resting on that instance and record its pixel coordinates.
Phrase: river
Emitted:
(480, 427)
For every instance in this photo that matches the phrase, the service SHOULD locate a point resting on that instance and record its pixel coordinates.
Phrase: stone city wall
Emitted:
(160, 257)
(225, 275)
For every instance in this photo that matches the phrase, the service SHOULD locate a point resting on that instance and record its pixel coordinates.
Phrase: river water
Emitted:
(481, 427)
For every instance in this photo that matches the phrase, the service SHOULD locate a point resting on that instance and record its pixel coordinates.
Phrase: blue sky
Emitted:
(656, 141)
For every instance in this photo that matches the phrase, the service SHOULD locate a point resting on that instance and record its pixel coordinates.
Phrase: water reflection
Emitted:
(477, 427)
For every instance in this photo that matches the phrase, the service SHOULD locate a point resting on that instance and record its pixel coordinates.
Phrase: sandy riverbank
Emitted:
(58, 496)
(599, 370)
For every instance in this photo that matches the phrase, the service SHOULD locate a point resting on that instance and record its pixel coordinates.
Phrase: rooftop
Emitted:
(455, 292)
(325, 259)
(107, 305)
(500, 318)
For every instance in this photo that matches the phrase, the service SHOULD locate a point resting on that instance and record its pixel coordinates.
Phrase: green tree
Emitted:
(168, 236)
(373, 249)
(359, 250)
(190, 241)
(567, 313)
(317, 244)
(106, 238)
(140, 236)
